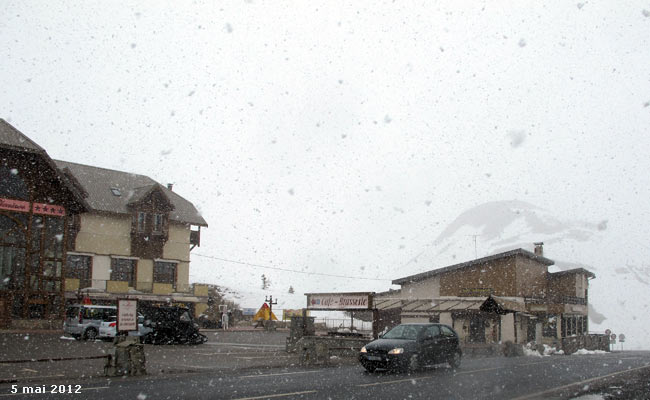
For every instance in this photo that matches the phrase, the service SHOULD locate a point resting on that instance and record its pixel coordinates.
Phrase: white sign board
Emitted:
(336, 301)
(621, 337)
(127, 315)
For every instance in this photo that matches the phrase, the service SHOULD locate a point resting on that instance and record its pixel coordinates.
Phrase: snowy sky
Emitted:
(341, 138)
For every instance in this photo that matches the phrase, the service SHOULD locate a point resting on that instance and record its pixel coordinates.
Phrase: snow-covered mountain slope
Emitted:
(619, 295)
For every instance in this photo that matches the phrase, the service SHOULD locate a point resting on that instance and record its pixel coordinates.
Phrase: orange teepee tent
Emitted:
(264, 314)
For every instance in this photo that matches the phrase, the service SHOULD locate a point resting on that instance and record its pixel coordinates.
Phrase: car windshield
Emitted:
(406, 332)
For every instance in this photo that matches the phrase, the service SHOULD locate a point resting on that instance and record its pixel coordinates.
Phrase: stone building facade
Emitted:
(118, 235)
(509, 296)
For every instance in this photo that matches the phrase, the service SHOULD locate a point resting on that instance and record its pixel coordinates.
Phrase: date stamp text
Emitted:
(41, 389)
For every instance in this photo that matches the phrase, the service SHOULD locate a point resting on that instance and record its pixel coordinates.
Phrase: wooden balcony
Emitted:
(195, 238)
(574, 300)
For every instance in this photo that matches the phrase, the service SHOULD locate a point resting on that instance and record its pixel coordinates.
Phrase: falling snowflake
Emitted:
(516, 138)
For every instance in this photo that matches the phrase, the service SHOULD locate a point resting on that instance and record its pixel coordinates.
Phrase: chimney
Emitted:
(170, 186)
(539, 249)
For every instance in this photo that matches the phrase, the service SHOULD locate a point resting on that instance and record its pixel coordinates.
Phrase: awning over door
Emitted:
(502, 305)
(441, 305)
(499, 305)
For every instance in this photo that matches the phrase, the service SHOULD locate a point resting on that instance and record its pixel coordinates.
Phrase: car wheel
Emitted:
(148, 338)
(91, 334)
(413, 364)
(454, 360)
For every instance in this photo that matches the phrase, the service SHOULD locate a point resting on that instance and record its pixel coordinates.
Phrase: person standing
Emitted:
(224, 321)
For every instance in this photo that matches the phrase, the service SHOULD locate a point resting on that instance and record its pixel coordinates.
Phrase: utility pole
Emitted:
(271, 303)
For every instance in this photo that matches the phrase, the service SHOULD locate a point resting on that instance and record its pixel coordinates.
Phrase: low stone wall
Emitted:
(316, 350)
(589, 342)
(484, 350)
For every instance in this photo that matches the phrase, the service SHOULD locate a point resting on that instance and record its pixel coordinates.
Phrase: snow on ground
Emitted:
(531, 350)
(585, 351)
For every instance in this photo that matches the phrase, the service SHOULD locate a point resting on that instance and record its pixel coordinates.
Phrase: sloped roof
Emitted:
(478, 261)
(574, 271)
(141, 193)
(100, 183)
(12, 138)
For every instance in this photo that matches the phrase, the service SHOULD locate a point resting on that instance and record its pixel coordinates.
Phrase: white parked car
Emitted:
(108, 328)
(83, 321)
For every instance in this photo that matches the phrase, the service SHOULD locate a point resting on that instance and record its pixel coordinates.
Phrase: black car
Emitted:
(171, 325)
(412, 346)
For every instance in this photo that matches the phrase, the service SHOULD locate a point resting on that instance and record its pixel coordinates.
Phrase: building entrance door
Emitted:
(477, 329)
(532, 329)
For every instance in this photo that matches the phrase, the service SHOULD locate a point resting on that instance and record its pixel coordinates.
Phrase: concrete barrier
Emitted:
(317, 350)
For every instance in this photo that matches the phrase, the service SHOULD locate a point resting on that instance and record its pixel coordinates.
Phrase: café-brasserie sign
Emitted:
(339, 301)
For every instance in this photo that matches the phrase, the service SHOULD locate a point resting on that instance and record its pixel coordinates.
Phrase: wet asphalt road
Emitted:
(489, 378)
(224, 351)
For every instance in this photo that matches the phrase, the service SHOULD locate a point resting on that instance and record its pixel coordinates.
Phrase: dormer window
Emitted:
(116, 192)
(157, 223)
(142, 221)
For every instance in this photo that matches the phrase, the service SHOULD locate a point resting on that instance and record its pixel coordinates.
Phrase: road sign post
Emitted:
(612, 340)
(127, 316)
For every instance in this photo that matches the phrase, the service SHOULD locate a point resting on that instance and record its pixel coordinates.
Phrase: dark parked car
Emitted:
(412, 346)
(171, 325)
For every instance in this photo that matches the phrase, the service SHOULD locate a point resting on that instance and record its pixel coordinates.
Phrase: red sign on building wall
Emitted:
(14, 205)
(37, 208)
(49, 209)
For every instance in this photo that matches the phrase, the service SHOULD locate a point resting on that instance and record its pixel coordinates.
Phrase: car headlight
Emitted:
(397, 350)
(363, 349)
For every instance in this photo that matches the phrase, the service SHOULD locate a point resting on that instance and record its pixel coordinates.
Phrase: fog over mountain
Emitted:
(617, 296)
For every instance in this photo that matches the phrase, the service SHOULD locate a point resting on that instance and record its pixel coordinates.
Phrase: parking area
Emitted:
(223, 351)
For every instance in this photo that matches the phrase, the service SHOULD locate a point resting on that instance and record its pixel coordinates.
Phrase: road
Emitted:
(488, 378)
(223, 351)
